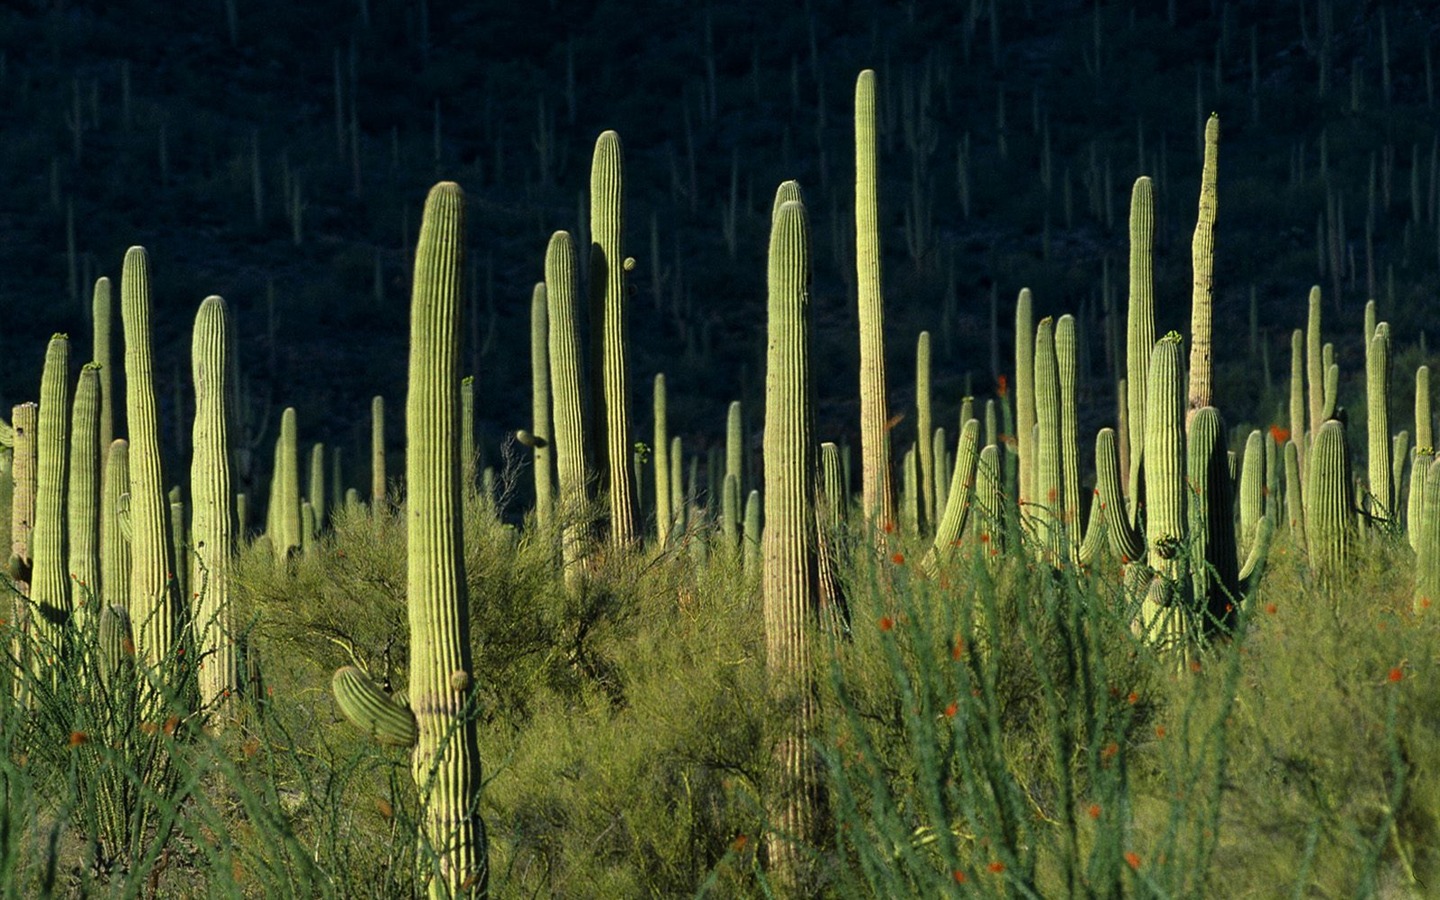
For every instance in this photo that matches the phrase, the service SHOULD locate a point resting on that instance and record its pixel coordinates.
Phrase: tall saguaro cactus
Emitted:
(1140, 331)
(877, 491)
(377, 454)
(571, 451)
(211, 512)
(664, 503)
(540, 406)
(102, 313)
(1202, 253)
(790, 566)
(50, 583)
(608, 319)
(83, 493)
(152, 598)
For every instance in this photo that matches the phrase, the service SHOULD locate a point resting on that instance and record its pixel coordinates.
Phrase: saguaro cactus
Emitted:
(1202, 254)
(153, 607)
(102, 312)
(540, 406)
(1329, 505)
(924, 431)
(50, 582)
(664, 503)
(211, 510)
(377, 454)
(571, 449)
(82, 512)
(877, 491)
(446, 758)
(114, 541)
(608, 320)
(1140, 330)
(790, 576)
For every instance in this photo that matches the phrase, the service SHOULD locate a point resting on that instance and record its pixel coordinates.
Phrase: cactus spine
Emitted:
(790, 588)
(211, 511)
(875, 480)
(540, 407)
(607, 306)
(1202, 255)
(82, 512)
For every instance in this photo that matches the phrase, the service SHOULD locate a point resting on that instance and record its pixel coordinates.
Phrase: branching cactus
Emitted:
(83, 509)
(153, 606)
(877, 492)
(608, 321)
(790, 566)
(446, 757)
(212, 513)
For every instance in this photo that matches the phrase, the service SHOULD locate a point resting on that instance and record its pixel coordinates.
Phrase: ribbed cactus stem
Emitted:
(991, 506)
(116, 643)
(1126, 540)
(377, 454)
(285, 536)
(1214, 568)
(664, 503)
(1202, 256)
(1165, 491)
(544, 453)
(730, 513)
(1424, 435)
(1140, 328)
(877, 495)
(571, 447)
(925, 427)
(607, 305)
(83, 503)
(1067, 367)
(315, 487)
(1046, 512)
(469, 452)
(735, 449)
(1252, 486)
(940, 475)
(1025, 398)
(446, 763)
(1329, 507)
(212, 513)
(910, 491)
(1294, 492)
(1415, 497)
(372, 710)
(1314, 371)
(790, 566)
(102, 309)
(833, 496)
(1297, 391)
(50, 580)
(677, 484)
(961, 495)
(1377, 425)
(114, 543)
(153, 604)
(750, 542)
(1427, 550)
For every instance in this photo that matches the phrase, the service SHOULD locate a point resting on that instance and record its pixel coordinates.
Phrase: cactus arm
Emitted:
(372, 710)
(959, 497)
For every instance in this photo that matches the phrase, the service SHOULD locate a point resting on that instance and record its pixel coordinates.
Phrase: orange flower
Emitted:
(1396, 674)
(386, 810)
(1271, 609)
(170, 724)
(952, 709)
(1132, 859)
(739, 843)
(889, 528)
(1094, 811)
(886, 623)
(78, 737)
(1281, 435)
(1134, 698)
(1194, 665)
(1160, 731)
(957, 649)
(997, 867)
(959, 876)
(1110, 750)
(1003, 386)
(898, 559)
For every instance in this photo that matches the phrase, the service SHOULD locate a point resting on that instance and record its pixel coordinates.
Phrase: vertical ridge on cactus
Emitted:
(210, 496)
(877, 491)
(790, 568)
(153, 606)
(446, 763)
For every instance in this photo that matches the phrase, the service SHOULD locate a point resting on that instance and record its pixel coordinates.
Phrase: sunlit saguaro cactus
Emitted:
(50, 580)
(212, 513)
(83, 493)
(543, 458)
(153, 604)
(571, 447)
(1202, 255)
(790, 570)
(877, 491)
